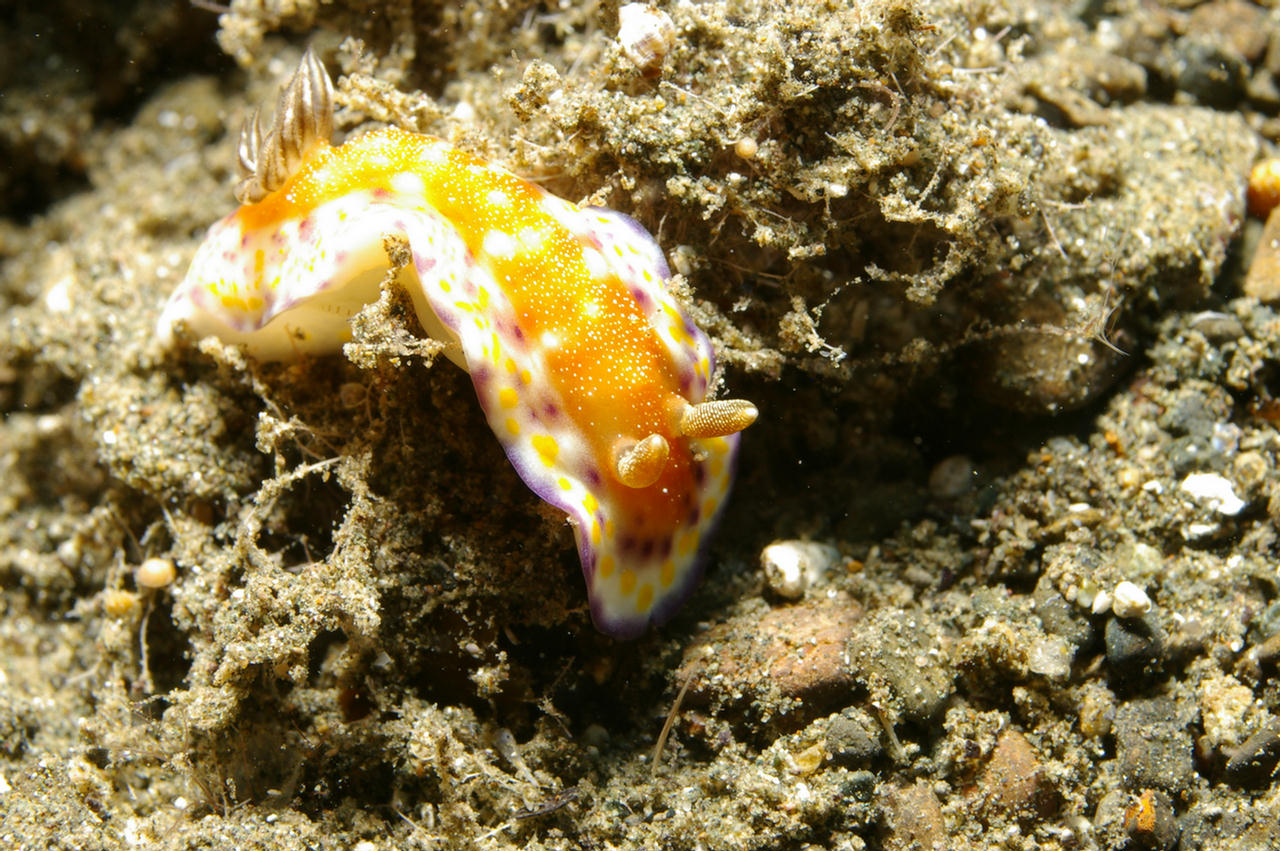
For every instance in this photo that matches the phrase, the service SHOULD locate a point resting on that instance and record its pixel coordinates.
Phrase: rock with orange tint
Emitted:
(789, 664)
(1014, 782)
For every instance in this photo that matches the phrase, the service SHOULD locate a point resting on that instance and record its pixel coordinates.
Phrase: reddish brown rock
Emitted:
(1013, 781)
(790, 662)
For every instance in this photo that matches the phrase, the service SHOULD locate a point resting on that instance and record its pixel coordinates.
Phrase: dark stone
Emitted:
(1153, 746)
(1253, 764)
(853, 738)
(1134, 645)
(1060, 617)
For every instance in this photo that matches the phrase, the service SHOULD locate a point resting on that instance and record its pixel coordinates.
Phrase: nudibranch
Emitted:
(588, 371)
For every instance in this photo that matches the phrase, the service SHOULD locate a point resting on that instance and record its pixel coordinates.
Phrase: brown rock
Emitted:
(1013, 781)
(789, 662)
(915, 820)
(1263, 279)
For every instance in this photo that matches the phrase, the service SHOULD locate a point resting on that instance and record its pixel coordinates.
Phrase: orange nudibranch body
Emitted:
(577, 351)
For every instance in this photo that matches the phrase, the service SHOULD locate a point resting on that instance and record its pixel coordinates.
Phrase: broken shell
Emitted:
(1130, 601)
(646, 35)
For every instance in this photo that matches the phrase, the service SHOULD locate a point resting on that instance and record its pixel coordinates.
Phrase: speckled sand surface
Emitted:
(980, 266)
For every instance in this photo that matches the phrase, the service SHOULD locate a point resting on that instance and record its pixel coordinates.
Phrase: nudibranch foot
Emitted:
(589, 372)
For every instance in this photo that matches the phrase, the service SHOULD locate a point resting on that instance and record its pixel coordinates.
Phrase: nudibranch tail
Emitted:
(589, 373)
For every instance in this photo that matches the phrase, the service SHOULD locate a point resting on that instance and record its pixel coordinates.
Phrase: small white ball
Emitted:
(155, 573)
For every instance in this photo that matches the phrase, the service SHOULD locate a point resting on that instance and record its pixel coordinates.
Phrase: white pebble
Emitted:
(1130, 601)
(792, 567)
(1215, 491)
(1050, 657)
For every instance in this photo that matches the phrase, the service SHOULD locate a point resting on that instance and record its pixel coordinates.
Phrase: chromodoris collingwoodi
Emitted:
(588, 371)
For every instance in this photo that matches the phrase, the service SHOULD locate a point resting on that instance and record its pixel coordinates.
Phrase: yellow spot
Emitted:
(525, 376)
(644, 599)
(709, 507)
(595, 532)
(465, 306)
(688, 541)
(482, 299)
(716, 466)
(564, 484)
(445, 285)
(546, 447)
(508, 397)
(668, 574)
(513, 426)
(607, 564)
(590, 503)
(511, 366)
(627, 581)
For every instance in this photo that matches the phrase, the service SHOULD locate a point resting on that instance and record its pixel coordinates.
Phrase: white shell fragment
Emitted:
(1214, 491)
(647, 35)
(792, 567)
(1130, 601)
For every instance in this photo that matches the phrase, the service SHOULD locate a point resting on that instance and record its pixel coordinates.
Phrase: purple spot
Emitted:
(423, 263)
(699, 474)
(664, 548)
(480, 375)
(593, 477)
(340, 258)
(551, 411)
(380, 193)
(518, 333)
(646, 549)
(626, 543)
(694, 516)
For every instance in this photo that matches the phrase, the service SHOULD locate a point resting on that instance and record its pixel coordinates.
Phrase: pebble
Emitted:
(1254, 763)
(794, 655)
(1150, 820)
(791, 568)
(1097, 711)
(1134, 645)
(853, 738)
(1059, 617)
(895, 650)
(1153, 746)
(1013, 780)
(1215, 492)
(915, 819)
(1130, 601)
(1262, 281)
(952, 477)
